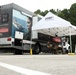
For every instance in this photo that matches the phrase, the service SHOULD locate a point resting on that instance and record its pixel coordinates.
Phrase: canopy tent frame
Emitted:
(52, 25)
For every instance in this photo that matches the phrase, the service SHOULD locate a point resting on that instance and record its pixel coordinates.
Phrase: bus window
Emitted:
(4, 18)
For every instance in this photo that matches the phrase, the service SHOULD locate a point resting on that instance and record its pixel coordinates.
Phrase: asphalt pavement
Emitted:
(41, 64)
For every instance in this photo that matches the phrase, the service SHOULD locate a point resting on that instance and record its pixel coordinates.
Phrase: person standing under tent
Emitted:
(66, 47)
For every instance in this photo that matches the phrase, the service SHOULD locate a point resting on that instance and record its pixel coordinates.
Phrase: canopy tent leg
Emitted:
(31, 52)
(70, 40)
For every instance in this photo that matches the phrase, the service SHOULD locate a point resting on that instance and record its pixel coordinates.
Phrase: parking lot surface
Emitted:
(45, 64)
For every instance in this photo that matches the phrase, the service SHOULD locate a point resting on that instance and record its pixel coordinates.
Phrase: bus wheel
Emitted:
(37, 49)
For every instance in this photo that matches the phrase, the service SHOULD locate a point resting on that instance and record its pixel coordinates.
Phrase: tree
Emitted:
(66, 14)
(53, 11)
(72, 17)
(63, 14)
(38, 11)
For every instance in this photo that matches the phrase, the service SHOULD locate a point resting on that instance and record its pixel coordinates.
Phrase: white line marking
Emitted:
(22, 70)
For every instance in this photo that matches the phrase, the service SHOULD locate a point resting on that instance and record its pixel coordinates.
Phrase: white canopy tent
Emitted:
(54, 25)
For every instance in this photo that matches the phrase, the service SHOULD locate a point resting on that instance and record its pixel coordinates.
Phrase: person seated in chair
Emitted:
(49, 46)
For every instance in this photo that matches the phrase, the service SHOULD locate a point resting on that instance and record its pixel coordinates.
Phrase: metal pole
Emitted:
(31, 43)
(70, 40)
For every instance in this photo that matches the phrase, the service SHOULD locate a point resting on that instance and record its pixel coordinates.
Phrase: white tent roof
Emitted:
(54, 25)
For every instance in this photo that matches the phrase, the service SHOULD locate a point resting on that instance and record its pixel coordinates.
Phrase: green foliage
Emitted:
(72, 17)
(38, 11)
(53, 11)
(64, 14)
(44, 13)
